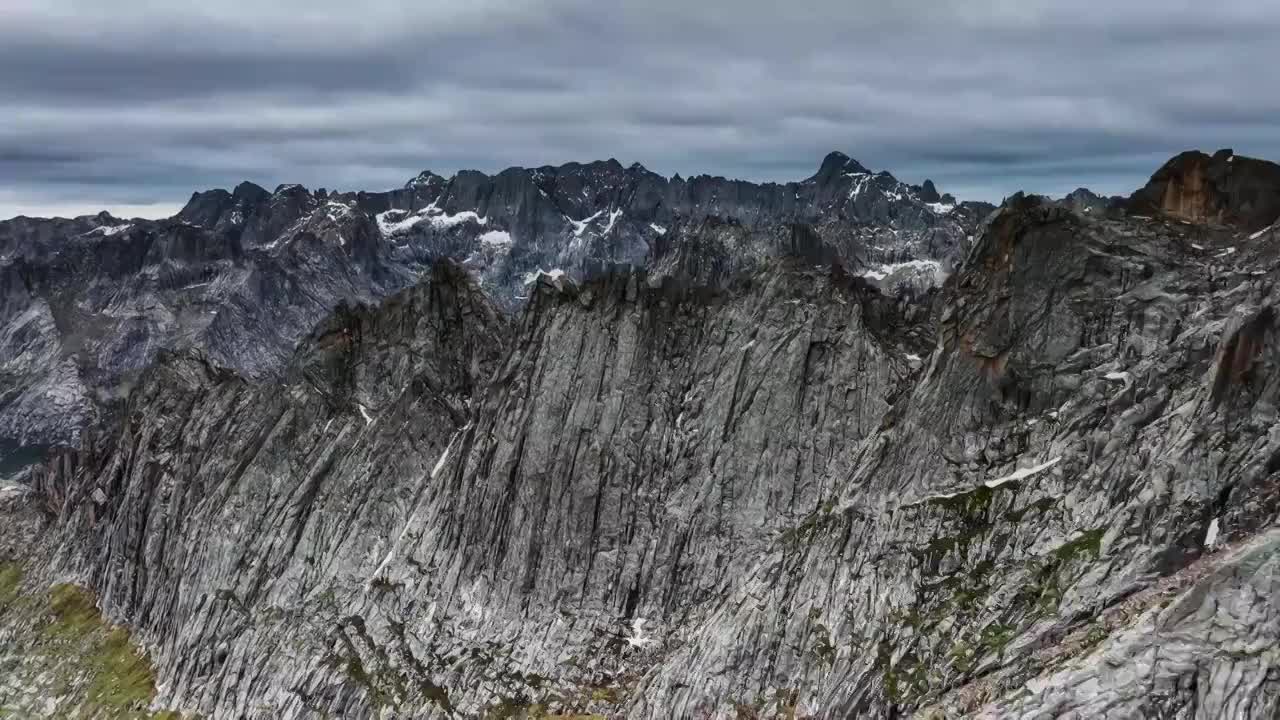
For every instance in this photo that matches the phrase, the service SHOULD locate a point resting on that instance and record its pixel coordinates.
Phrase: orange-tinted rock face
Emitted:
(1189, 195)
(1223, 188)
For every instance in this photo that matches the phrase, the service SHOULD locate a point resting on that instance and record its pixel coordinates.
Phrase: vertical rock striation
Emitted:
(713, 488)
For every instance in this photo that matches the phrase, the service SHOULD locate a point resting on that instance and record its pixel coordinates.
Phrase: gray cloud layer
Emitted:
(133, 104)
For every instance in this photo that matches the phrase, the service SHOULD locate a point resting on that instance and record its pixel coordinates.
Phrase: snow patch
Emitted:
(940, 208)
(532, 277)
(365, 414)
(392, 222)
(1263, 231)
(580, 226)
(1117, 376)
(445, 220)
(496, 238)
(440, 463)
(109, 230)
(1021, 473)
(1211, 537)
(638, 638)
(335, 212)
(881, 272)
(613, 219)
(657, 228)
(860, 185)
(444, 457)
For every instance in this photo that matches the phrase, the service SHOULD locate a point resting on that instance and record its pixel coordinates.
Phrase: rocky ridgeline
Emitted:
(244, 275)
(697, 489)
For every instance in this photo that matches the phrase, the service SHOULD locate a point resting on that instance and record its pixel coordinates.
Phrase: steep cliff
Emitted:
(773, 489)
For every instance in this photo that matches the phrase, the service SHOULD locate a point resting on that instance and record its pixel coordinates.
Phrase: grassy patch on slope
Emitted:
(58, 647)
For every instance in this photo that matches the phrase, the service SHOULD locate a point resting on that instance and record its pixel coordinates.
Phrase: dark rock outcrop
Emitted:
(929, 193)
(1223, 188)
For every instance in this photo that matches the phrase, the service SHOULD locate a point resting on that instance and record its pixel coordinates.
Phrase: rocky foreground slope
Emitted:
(243, 276)
(1046, 489)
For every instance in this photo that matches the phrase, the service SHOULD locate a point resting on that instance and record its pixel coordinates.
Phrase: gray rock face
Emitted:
(244, 275)
(719, 489)
(39, 381)
(1212, 652)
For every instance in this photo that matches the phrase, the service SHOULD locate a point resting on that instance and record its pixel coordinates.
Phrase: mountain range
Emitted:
(586, 442)
(244, 275)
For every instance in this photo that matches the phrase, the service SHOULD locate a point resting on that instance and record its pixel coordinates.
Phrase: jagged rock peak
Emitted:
(1084, 200)
(204, 208)
(835, 164)
(928, 192)
(1223, 188)
(426, 178)
(250, 192)
(290, 189)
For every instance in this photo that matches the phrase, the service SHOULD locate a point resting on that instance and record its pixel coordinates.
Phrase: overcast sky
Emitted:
(131, 105)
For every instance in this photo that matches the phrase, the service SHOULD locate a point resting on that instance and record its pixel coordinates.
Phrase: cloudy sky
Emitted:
(131, 105)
